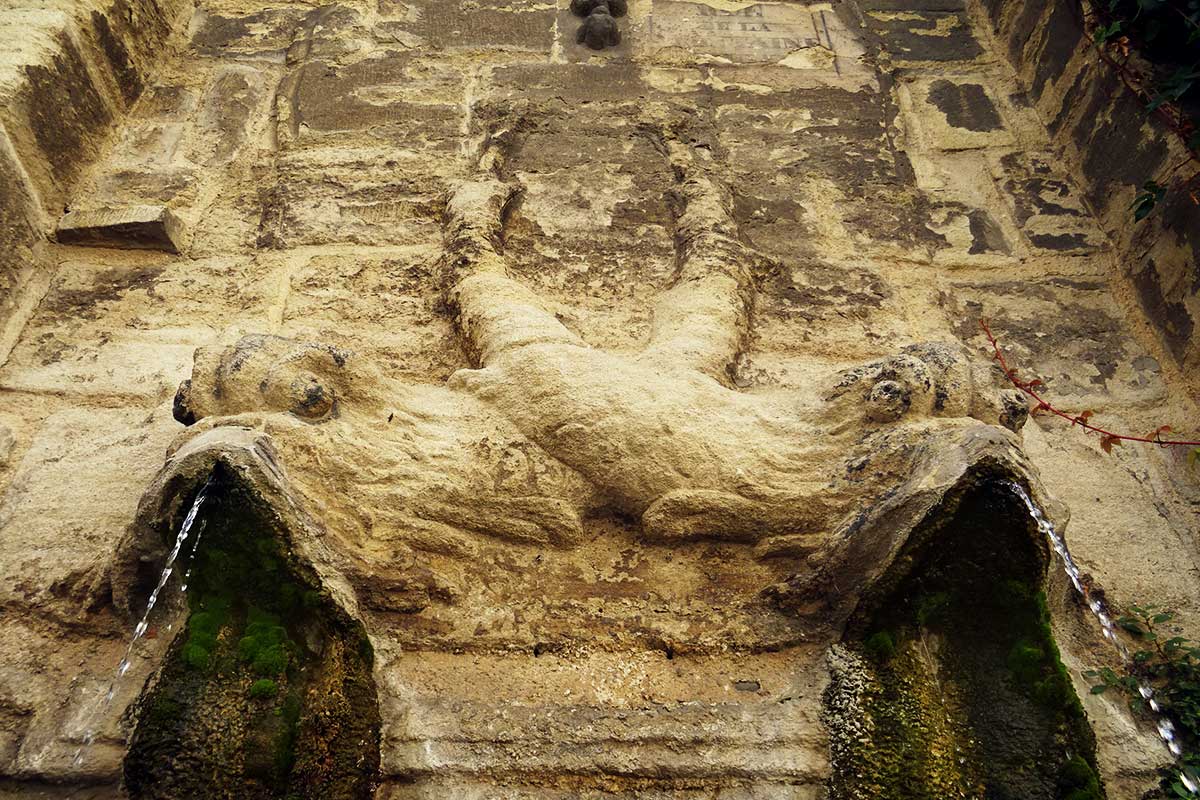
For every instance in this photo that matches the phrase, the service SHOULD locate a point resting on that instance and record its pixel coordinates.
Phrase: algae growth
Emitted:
(268, 692)
(950, 684)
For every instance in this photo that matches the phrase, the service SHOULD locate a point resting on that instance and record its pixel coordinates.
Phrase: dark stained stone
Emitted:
(1047, 206)
(128, 80)
(914, 5)
(488, 24)
(1181, 218)
(1171, 318)
(921, 39)
(330, 99)
(66, 111)
(1115, 151)
(126, 228)
(986, 235)
(966, 105)
(1064, 32)
(1060, 241)
(1037, 190)
(262, 33)
(1068, 104)
(1022, 29)
(1079, 331)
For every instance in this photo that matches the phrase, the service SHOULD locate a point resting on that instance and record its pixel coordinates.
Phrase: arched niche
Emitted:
(267, 690)
(948, 682)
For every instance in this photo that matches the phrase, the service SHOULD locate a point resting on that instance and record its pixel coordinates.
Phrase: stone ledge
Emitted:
(125, 228)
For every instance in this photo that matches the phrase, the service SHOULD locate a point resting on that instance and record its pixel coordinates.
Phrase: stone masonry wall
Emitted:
(1101, 125)
(68, 72)
(893, 177)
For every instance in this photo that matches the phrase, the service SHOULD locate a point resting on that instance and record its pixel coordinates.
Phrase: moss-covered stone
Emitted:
(268, 692)
(967, 697)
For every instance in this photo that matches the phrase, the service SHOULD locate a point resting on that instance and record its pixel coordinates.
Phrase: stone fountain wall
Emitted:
(891, 179)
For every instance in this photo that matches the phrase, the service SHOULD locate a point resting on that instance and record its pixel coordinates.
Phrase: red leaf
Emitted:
(1107, 441)
(1034, 383)
(1156, 434)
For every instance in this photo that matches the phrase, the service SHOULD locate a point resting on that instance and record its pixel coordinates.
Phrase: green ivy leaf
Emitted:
(1100, 688)
(1150, 196)
(1106, 32)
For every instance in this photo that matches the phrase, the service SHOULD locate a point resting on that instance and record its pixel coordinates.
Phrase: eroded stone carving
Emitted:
(408, 502)
(547, 430)
(599, 29)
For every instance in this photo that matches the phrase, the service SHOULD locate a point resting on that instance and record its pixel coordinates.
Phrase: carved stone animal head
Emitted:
(266, 374)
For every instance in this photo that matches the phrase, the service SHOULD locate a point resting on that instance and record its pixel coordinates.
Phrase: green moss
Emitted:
(195, 656)
(272, 660)
(285, 743)
(932, 608)
(880, 646)
(264, 687)
(1077, 780)
(1026, 661)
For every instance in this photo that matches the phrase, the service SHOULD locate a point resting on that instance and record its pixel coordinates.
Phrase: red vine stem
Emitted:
(1075, 419)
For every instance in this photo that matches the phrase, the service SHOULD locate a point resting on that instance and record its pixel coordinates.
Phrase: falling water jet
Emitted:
(144, 624)
(1164, 726)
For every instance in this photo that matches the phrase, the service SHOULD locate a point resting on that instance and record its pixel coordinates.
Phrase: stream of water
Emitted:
(1164, 725)
(143, 625)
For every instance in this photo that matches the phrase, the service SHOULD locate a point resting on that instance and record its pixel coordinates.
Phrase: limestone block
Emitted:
(7, 440)
(946, 114)
(1065, 331)
(523, 25)
(124, 323)
(126, 228)
(264, 34)
(1046, 205)
(402, 330)
(72, 496)
(806, 37)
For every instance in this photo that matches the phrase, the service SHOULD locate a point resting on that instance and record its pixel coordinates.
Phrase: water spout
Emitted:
(1164, 726)
(144, 623)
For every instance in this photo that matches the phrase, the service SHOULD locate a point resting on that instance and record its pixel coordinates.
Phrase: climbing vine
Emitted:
(1153, 46)
(1170, 667)
(1108, 438)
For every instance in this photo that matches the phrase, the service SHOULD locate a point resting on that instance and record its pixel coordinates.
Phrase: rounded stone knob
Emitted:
(887, 401)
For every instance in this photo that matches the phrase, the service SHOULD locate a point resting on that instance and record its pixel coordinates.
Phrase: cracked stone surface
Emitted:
(600, 386)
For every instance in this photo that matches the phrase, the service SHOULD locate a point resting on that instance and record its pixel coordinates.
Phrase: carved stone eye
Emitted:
(310, 398)
(1014, 410)
(887, 401)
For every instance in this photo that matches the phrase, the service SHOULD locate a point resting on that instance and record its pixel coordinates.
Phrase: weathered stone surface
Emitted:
(912, 35)
(129, 228)
(599, 388)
